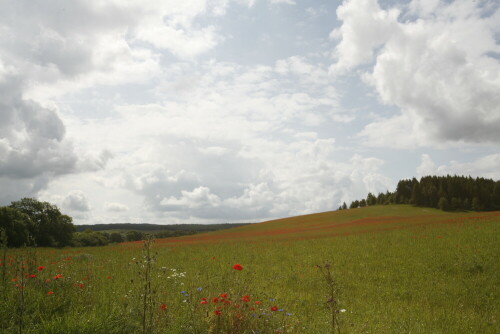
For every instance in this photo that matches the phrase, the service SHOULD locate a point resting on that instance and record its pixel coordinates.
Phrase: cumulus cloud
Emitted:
(115, 207)
(487, 166)
(33, 147)
(76, 201)
(56, 48)
(431, 59)
(426, 167)
(225, 144)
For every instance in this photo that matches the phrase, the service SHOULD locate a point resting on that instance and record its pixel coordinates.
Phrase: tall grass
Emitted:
(430, 278)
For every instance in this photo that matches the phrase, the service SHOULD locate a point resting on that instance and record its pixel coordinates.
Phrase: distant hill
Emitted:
(157, 227)
(370, 219)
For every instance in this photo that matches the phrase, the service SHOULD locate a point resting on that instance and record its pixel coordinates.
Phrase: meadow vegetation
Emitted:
(393, 269)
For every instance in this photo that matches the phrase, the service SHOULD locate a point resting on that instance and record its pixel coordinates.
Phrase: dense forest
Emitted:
(448, 193)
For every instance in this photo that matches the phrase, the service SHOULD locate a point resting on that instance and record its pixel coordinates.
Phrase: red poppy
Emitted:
(58, 276)
(32, 275)
(108, 277)
(50, 293)
(245, 299)
(237, 267)
(215, 300)
(163, 306)
(40, 268)
(274, 308)
(217, 312)
(203, 301)
(257, 302)
(223, 295)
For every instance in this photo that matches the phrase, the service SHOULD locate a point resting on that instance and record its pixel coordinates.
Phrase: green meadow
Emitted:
(395, 269)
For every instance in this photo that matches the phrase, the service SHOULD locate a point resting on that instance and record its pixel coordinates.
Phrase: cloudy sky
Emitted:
(210, 111)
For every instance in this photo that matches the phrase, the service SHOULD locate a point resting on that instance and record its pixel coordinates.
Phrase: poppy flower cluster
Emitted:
(238, 267)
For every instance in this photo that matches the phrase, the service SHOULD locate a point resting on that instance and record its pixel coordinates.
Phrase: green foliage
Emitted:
(426, 278)
(134, 236)
(89, 238)
(116, 237)
(444, 192)
(443, 204)
(15, 225)
(48, 226)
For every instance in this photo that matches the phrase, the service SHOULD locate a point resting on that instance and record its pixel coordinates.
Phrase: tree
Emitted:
(115, 237)
(476, 205)
(370, 199)
(89, 238)
(134, 236)
(416, 196)
(48, 226)
(15, 224)
(344, 206)
(362, 203)
(443, 204)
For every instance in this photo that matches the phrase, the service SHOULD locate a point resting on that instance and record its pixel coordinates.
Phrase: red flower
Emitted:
(108, 277)
(245, 299)
(217, 312)
(40, 268)
(163, 306)
(237, 267)
(223, 295)
(50, 293)
(215, 300)
(257, 302)
(203, 301)
(58, 276)
(274, 308)
(32, 275)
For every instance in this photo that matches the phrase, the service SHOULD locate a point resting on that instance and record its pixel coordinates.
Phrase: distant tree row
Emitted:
(448, 193)
(90, 237)
(34, 223)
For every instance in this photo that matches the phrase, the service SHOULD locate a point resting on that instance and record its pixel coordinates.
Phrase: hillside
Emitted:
(372, 219)
(394, 269)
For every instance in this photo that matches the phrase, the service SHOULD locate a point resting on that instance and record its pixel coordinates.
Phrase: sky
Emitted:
(218, 111)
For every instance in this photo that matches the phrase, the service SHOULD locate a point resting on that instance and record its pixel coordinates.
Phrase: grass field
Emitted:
(398, 269)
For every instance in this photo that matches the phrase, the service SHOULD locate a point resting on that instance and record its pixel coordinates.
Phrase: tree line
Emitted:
(448, 193)
(29, 222)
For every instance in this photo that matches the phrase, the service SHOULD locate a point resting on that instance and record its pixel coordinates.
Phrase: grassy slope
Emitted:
(340, 223)
(401, 269)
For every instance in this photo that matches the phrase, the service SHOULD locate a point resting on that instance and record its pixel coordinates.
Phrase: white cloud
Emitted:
(76, 201)
(487, 167)
(115, 207)
(199, 197)
(435, 67)
(287, 2)
(426, 167)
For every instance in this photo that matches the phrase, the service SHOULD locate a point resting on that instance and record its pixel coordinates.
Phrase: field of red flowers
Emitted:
(392, 269)
(338, 223)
